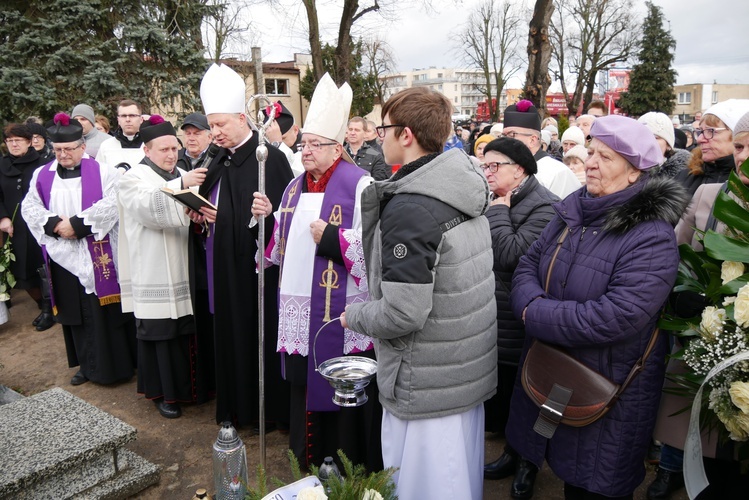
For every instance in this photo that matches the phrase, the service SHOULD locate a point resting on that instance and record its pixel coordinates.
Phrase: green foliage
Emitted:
(355, 483)
(59, 53)
(364, 85)
(563, 123)
(7, 280)
(651, 82)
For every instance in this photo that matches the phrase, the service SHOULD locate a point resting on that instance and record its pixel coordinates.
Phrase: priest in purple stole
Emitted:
(71, 209)
(227, 247)
(317, 245)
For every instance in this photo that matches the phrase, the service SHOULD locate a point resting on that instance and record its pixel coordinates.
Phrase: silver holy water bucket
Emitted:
(348, 375)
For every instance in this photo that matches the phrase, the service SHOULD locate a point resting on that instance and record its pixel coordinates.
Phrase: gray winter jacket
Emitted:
(432, 309)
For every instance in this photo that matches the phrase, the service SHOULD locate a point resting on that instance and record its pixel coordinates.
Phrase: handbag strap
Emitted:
(640, 364)
(560, 240)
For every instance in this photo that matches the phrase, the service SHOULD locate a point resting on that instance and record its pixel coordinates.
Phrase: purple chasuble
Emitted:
(329, 279)
(105, 275)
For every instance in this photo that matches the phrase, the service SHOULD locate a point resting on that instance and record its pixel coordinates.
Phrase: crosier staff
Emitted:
(261, 153)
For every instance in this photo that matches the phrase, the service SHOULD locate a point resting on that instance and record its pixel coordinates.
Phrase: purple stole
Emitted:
(105, 275)
(329, 279)
(209, 246)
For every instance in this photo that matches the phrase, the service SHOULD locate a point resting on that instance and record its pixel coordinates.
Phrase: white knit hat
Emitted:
(329, 110)
(660, 125)
(575, 134)
(546, 137)
(222, 90)
(729, 111)
(742, 125)
(577, 152)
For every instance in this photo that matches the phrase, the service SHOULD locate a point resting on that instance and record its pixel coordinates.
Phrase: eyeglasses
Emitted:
(494, 165)
(15, 141)
(128, 117)
(513, 134)
(708, 132)
(59, 151)
(314, 146)
(37, 137)
(382, 130)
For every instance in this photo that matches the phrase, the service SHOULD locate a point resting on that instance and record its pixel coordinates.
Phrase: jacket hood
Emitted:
(450, 177)
(659, 199)
(651, 199)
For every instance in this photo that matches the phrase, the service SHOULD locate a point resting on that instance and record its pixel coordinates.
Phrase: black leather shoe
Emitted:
(78, 379)
(46, 319)
(665, 483)
(46, 322)
(525, 478)
(168, 410)
(37, 319)
(501, 468)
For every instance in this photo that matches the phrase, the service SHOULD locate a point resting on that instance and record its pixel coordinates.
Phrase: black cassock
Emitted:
(235, 282)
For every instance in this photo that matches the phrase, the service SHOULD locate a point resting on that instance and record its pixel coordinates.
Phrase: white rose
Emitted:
(741, 307)
(739, 392)
(729, 300)
(729, 271)
(712, 320)
(371, 495)
(312, 493)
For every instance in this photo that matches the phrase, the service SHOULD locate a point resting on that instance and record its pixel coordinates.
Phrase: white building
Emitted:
(463, 87)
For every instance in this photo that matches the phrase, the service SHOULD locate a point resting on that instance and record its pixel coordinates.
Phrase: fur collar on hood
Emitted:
(659, 199)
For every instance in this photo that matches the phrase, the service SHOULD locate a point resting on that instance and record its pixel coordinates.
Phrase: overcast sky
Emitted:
(712, 39)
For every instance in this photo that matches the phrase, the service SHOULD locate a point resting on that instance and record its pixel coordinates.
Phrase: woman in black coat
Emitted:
(16, 169)
(519, 210)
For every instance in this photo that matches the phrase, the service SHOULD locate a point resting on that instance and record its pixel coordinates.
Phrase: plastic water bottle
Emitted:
(229, 464)
(327, 470)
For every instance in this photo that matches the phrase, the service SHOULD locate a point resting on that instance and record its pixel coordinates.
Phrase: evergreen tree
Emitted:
(62, 52)
(651, 82)
(364, 85)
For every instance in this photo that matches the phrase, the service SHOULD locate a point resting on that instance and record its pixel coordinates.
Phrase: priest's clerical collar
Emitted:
(234, 149)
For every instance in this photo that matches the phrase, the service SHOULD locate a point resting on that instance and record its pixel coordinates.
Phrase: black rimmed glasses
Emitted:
(382, 129)
(493, 166)
(709, 133)
(128, 117)
(314, 146)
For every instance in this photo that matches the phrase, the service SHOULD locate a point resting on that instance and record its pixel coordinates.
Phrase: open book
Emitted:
(189, 198)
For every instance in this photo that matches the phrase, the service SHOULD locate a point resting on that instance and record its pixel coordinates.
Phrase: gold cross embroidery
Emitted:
(102, 259)
(329, 282)
(284, 211)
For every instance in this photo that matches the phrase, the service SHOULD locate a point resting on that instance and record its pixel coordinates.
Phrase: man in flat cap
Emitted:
(230, 249)
(197, 141)
(71, 209)
(523, 123)
(125, 149)
(154, 269)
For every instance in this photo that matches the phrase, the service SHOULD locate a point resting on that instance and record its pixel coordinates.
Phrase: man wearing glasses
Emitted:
(432, 310)
(322, 271)
(523, 123)
(71, 209)
(125, 149)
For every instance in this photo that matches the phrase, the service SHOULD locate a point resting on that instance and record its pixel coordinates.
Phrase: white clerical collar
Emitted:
(234, 149)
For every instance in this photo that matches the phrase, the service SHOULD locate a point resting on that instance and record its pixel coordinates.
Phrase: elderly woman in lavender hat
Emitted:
(611, 276)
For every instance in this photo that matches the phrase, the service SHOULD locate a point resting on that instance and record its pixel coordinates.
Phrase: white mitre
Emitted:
(222, 90)
(329, 110)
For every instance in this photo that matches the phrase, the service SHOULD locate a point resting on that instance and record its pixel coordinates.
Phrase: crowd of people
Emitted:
(449, 256)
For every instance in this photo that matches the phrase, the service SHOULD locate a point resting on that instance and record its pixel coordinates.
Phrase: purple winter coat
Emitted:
(610, 280)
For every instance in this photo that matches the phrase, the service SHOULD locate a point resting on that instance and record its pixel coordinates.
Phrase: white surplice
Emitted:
(65, 200)
(153, 271)
(297, 277)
